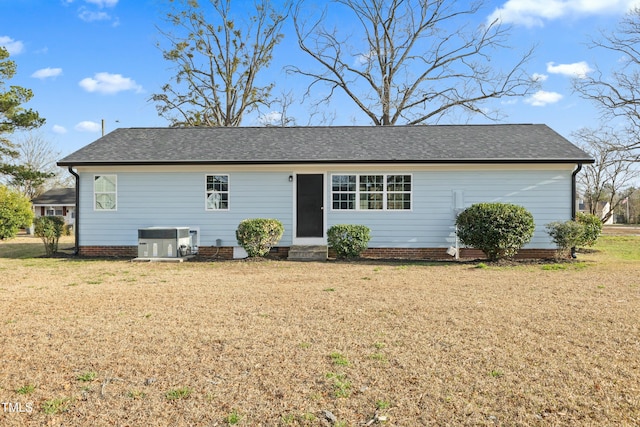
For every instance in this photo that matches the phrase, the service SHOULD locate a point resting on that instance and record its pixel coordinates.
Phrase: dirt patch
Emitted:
(276, 343)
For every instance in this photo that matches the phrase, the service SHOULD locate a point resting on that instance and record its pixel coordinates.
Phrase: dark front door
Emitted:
(309, 196)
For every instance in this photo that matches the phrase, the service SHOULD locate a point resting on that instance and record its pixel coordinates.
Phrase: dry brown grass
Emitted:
(276, 343)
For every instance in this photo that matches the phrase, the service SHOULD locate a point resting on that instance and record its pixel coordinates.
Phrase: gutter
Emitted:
(488, 161)
(574, 196)
(76, 228)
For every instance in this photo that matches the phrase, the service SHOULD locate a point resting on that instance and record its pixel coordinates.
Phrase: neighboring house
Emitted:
(603, 209)
(58, 202)
(406, 183)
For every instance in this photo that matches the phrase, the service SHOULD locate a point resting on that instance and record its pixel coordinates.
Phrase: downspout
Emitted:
(76, 228)
(574, 196)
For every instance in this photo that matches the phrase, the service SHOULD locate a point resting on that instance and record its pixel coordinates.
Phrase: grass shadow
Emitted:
(25, 246)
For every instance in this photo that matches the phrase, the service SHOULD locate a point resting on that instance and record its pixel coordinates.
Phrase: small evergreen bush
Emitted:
(497, 229)
(565, 235)
(584, 231)
(592, 226)
(49, 229)
(349, 241)
(258, 235)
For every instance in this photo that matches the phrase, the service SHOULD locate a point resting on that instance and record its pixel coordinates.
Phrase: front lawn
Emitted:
(278, 343)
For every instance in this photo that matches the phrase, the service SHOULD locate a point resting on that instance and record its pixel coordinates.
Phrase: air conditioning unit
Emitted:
(164, 242)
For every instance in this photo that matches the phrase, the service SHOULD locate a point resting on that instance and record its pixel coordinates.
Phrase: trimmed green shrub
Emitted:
(592, 228)
(584, 231)
(258, 235)
(497, 229)
(49, 229)
(349, 241)
(565, 235)
(15, 212)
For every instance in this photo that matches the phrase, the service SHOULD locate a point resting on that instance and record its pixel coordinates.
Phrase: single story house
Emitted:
(406, 183)
(56, 202)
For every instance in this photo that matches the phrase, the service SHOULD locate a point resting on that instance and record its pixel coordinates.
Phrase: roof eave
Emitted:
(326, 161)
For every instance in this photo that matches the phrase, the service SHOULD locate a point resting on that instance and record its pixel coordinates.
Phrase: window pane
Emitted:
(104, 188)
(343, 188)
(217, 192)
(371, 201)
(105, 201)
(399, 192)
(371, 183)
(399, 201)
(104, 183)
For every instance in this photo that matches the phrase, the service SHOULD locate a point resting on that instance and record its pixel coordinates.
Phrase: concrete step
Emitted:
(308, 253)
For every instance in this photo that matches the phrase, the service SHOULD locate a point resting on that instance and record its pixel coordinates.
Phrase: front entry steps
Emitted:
(308, 253)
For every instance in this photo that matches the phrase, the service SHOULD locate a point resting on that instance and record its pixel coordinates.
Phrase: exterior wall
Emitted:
(175, 196)
(431, 222)
(176, 199)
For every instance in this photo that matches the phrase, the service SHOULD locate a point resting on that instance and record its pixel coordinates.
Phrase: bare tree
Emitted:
(608, 179)
(618, 95)
(35, 169)
(280, 117)
(218, 56)
(411, 61)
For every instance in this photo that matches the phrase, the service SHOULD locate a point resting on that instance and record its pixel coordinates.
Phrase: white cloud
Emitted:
(91, 16)
(270, 118)
(60, 130)
(48, 72)
(577, 69)
(542, 98)
(87, 126)
(14, 47)
(107, 83)
(103, 3)
(537, 77)
(531, 13)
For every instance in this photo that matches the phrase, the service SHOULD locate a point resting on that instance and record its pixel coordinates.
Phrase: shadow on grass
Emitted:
(25, 246)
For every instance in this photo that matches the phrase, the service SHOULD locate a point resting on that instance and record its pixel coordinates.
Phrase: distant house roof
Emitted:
(519, 143)
(56, 196)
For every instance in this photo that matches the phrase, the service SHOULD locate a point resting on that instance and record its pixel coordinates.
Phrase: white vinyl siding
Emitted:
(431, 221)
(175, 199)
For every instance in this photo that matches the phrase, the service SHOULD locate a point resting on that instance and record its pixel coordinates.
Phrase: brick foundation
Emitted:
(282, 252)
(109, 251)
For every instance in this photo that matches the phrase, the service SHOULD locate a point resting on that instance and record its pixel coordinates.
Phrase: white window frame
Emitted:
(209, 193)
(96, 193)
(385, 192)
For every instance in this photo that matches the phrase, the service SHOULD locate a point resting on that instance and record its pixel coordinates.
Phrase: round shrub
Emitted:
(497, 229)
(15, 213)
(258, 235)
(592, 226)
(349, 241)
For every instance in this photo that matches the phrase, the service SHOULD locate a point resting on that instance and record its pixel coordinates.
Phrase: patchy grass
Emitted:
(265, 343)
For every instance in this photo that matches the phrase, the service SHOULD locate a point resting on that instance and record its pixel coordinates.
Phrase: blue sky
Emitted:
(93, 60)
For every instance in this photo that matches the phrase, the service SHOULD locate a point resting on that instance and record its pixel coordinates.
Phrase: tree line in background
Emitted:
(400, 62)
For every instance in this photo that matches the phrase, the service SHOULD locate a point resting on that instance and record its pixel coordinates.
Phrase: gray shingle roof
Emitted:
(56, 196)
(520, 143)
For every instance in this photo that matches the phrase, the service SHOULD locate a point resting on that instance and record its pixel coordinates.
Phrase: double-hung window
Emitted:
(217, 192)
(371, 192)
(105, 192)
